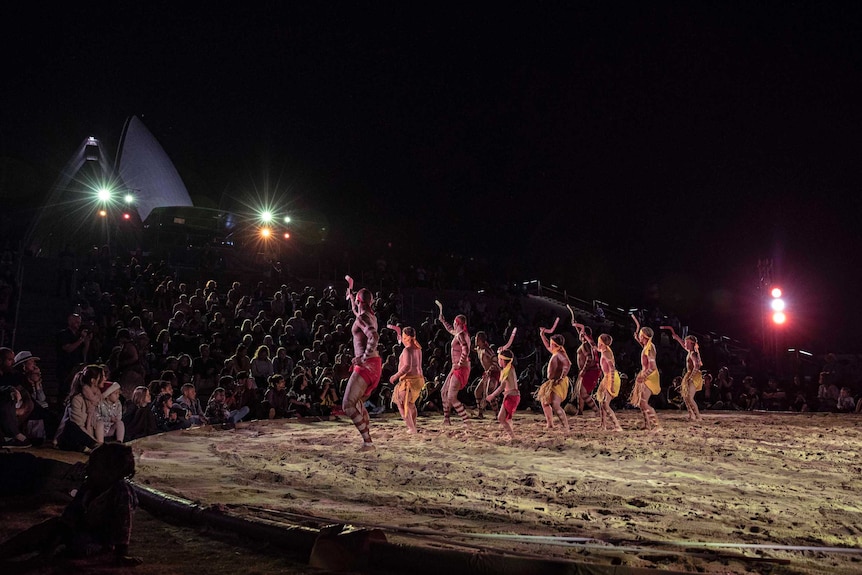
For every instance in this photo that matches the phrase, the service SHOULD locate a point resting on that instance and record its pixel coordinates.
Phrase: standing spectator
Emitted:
(72, 346)
(827, 393)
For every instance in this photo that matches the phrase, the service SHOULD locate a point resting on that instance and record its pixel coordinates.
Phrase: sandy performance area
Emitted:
(644, 500)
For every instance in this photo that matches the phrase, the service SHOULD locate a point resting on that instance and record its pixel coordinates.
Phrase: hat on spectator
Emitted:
(109, 387)
(23, 356)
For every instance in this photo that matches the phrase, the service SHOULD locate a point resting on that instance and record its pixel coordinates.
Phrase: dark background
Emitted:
(638, 153)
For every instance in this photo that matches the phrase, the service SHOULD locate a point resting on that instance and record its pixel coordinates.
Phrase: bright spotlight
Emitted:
(779, 317)
(287, 219)
(286, 235)
(129, 198)
(265, 232)
(266, 216)
(778, 304)
(776, 292)
(103, 213)
(104, 195)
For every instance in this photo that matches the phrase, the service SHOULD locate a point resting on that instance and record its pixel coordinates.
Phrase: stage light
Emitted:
(287, 219)
(266, 216)
(778, 305)
(286, 236)
(776, 292)
(129, 198)
(779, 318)
(265, 232)
(103, 213)
(127, 216)
(104, 195)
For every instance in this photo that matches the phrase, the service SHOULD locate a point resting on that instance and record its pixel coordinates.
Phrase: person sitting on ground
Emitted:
(81, 429)
(275, 404)
(328, 397)
(167, 419)
(827, 393)
(218, 414)
(246, 395)
(189, 401)
(111, 412)
(139, 419)
(846, 404)
(299, 398)
(773, 398)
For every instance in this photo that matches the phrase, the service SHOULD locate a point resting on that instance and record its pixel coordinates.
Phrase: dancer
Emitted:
(488, 360)
(409, 376)
(459, 375)
(490, 374)
(507, 384)
(609, 388)
(588, 367)
(647, 381)
(556, 388)
(692, 380)
(366, 362)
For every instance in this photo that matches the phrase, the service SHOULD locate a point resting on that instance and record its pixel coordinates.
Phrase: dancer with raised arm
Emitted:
(409, 378)
(692, 380)
(553, 391)
(367, 365)
(508, 386)
(459, 375)
(609, 388)
(589, 372)
(647, 382)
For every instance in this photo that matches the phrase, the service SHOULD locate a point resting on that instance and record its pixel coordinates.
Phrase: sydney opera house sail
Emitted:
(144, 167)
(74, 212)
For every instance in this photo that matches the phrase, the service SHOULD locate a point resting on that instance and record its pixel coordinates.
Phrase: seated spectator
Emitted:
(275, 404)
(827, 393)
(139, 419)
(328, 398)
(167, 419)
(749, 399)
(282, 364)
(111, 412)
(773, 398)
(246, 395)
(299, 398)
(189, 401)
(846, 404)
(216, 412)
(80, 428)
(205, 369)
(261, 366)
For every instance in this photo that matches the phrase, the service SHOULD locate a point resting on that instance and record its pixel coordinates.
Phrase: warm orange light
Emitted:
(103, 213)
(265, 232)
(779, 318)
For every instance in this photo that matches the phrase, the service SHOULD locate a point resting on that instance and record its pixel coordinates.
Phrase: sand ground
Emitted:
(643, 499)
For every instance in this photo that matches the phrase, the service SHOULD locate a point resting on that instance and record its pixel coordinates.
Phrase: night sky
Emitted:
(617, 149)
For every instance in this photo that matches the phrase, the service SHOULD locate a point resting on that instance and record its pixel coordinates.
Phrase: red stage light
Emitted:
(776, 292)
(779, 318)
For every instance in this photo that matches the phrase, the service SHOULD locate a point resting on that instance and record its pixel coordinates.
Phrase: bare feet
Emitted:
(367, 446)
